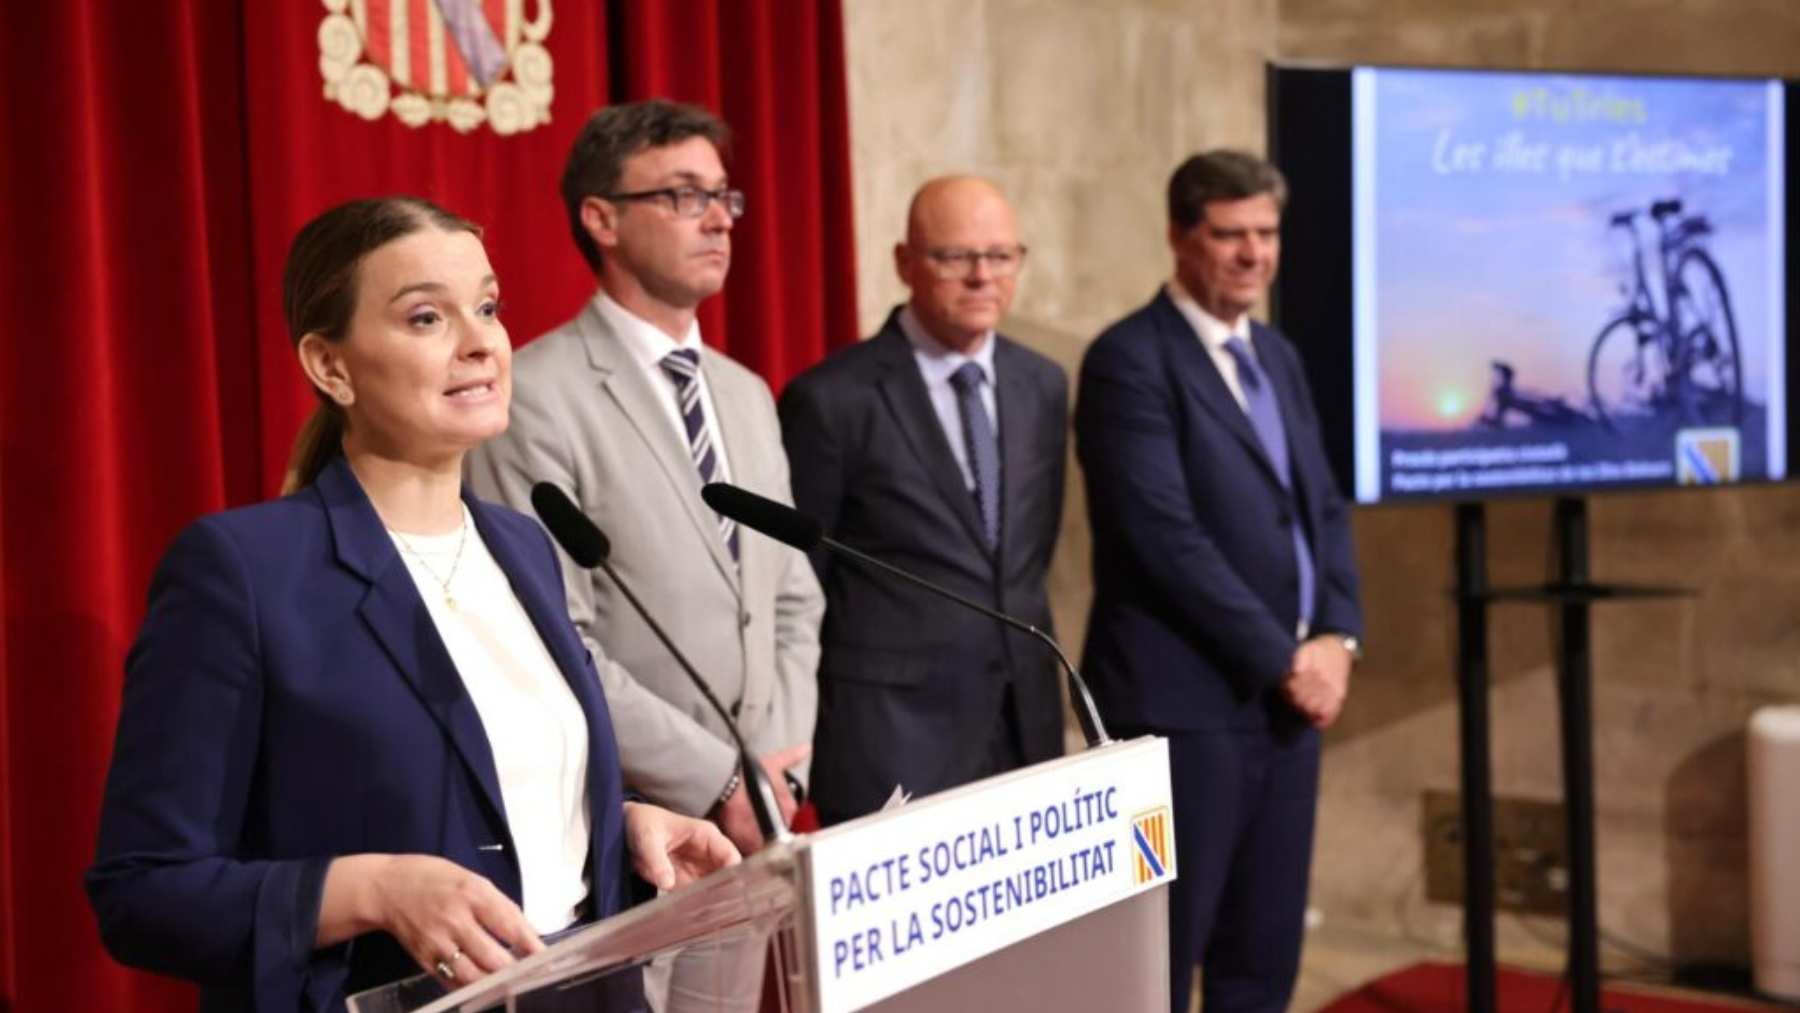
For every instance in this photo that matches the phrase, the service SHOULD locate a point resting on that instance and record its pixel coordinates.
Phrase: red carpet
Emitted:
(1430, 988)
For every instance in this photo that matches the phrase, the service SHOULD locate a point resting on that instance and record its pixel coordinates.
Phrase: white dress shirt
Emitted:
(937, 363)
(1213, 334)
(535, 727)
(648, 346)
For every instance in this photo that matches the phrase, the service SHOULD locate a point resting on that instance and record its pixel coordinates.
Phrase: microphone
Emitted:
(589, 547)
(791, 527)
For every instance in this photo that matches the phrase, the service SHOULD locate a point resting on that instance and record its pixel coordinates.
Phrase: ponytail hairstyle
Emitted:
(318, 296)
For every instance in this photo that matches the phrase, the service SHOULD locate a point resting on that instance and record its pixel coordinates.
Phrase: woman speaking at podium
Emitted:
(359, 735)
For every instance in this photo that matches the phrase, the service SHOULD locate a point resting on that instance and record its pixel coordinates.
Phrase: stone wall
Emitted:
(1080, 109)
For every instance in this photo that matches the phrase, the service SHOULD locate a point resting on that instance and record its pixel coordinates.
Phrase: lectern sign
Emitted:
(902, 897)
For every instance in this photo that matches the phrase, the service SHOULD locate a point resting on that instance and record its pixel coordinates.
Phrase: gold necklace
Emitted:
(462, 537)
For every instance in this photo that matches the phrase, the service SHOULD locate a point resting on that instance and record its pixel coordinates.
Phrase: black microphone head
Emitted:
(758, 513)
(581, 538)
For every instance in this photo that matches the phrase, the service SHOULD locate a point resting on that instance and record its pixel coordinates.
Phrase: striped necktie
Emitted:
(982, 447)
(683, 368)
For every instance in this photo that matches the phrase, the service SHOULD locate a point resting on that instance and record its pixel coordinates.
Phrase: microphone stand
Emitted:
(756, 781)
(589, 548)
(1085, 711)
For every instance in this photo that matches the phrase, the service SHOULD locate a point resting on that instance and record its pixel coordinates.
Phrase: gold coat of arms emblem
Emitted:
(461, 62)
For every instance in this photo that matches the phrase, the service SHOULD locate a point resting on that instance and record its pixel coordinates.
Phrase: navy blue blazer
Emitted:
(1196, 591)
(288, 700)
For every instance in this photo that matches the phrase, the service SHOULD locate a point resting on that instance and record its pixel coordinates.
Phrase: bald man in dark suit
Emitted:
(938, 446)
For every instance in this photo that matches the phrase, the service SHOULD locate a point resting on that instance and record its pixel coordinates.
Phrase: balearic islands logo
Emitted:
(1707, 456)
(1152, 855)
(461, 62)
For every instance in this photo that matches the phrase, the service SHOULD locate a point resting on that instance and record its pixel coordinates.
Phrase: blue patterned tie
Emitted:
(1265, 418)
(984, 450)
(683, 367)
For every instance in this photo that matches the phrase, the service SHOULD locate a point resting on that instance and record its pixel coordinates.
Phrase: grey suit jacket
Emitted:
(585, 417)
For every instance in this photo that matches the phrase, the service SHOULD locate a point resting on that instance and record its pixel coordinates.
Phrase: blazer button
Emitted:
(744, 620)
(736, 706)
(1284, 520)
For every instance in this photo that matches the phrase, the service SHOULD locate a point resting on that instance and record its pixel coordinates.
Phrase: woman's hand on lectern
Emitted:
(454, 922)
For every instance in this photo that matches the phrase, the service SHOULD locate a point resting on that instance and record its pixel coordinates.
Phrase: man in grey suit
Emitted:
(937, 445)
(629, 412)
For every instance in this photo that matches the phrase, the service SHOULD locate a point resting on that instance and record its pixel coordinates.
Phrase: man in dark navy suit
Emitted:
(1225, 611)
(937, 445)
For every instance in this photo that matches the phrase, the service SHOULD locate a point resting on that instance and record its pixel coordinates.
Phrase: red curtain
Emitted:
(794, 259)
(159, 157)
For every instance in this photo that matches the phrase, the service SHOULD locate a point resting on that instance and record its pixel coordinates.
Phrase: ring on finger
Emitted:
(446, 969)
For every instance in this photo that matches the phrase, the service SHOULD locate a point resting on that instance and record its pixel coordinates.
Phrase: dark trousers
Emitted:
(1244, 804)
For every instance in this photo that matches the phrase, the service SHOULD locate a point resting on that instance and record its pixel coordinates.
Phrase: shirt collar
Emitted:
(1213, 331)
(936, 360)
(645, 341)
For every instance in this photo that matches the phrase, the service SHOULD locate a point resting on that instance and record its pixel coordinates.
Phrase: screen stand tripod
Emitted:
(1572, 594)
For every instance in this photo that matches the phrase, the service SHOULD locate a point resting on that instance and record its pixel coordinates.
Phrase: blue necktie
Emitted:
(984, 450)
(683, 368)
(1265, 418)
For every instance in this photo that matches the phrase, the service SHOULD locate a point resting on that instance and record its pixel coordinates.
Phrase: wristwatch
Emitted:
(1353, 644)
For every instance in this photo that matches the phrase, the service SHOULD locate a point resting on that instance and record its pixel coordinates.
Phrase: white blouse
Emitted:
(535, 726)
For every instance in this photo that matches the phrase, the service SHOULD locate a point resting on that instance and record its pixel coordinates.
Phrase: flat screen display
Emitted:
(1511, 283)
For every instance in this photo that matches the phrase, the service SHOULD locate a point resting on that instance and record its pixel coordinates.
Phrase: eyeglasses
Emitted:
(689, 201)
(955, 264)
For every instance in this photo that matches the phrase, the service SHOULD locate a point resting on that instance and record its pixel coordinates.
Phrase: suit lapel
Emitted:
(397, 617)
(904, 391)
(545, 612)
(1287, 395)
(1202, 378)
(1019, 407)
(641, 403)
(1274, 366)
(543, 604)
(737, 424)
